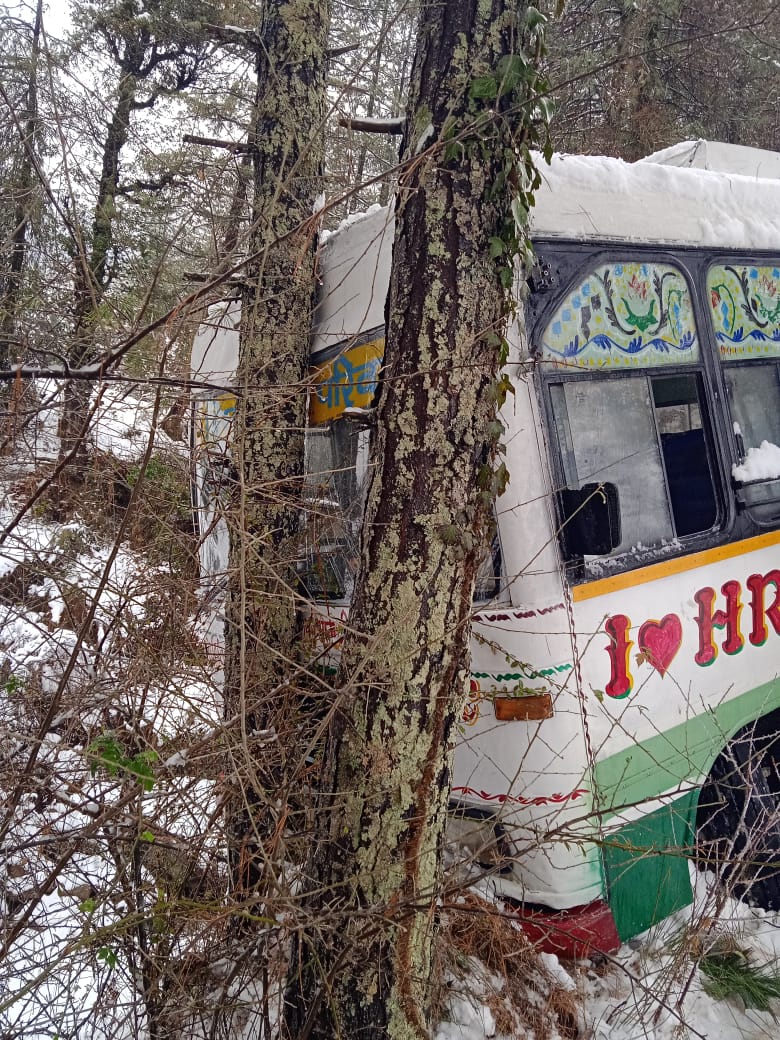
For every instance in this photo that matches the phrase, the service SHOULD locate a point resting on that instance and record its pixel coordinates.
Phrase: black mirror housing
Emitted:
(590, 520)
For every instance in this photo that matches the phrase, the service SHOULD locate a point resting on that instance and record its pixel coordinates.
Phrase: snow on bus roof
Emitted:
(720, 157)
(583, 198)
(586, 197)
(355, 272)
(214, 356)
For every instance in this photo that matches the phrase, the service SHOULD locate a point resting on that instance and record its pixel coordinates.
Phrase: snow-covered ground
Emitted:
(105, 695)
(652, 988)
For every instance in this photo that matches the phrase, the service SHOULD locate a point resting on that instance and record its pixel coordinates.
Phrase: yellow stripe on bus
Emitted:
(667, 568)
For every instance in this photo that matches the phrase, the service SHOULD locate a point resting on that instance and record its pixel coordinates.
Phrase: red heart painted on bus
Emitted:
(660, 640)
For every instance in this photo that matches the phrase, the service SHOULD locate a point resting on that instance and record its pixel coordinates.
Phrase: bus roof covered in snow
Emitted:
(697, 194)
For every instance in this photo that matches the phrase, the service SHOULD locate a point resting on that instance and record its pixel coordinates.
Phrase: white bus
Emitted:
(625, 688)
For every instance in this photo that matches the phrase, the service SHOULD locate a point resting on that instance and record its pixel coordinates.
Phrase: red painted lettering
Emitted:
(709, 619)
(620, 680)
(757, 584)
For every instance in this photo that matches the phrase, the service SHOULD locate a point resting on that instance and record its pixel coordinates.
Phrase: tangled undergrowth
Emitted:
(479, 944)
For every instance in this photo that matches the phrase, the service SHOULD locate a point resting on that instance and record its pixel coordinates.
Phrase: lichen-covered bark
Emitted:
(270, 420)
(405, 658)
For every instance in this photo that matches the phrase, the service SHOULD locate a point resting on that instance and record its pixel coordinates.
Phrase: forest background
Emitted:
(129, 203)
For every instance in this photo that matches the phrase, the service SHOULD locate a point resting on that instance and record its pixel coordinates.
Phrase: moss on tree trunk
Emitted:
(365, 968)
(269, 430)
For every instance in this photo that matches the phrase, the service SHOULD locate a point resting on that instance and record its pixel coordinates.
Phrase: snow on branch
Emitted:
(374, 126)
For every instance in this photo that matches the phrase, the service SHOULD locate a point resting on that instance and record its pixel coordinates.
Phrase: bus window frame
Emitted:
(759, 258)
(495, 550)
(565, 265)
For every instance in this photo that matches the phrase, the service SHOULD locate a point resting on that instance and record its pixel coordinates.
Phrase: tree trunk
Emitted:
(640, 115)
(91, 281)
(364, 967)
(22, 192)
(262, 621)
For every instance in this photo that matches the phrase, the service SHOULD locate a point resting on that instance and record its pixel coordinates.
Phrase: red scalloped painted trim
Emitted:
(512, 799)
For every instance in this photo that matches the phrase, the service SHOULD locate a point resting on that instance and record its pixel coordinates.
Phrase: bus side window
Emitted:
(745, 314)
(335, 474)
(606, 432)
(488, 580)
(621, 362)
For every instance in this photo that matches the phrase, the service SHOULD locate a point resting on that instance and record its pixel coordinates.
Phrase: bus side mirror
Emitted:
(591, 520)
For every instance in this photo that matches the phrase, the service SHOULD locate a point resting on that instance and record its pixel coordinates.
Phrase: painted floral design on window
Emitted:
(745, 309)
(624, 315)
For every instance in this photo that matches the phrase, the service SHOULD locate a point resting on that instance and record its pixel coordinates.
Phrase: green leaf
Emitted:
(534, 19)
(12, 685)
(107, 955)
(106, 752)
(484, 88)
(140, 767)
(496, 247)
(599, 695)
(519, 211)
(507, 385)
(512, 70)
(545, 107)
(500, 480)
(506, 277)
(146, 836)
(88, 906)
(453, 150)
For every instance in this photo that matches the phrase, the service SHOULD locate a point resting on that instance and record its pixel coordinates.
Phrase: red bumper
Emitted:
(577, 932)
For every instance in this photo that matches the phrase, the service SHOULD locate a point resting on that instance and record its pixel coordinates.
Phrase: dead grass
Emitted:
(521, 993)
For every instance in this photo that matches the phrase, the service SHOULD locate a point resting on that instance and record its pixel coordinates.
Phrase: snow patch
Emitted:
(424, 138)
(762, 463)
(353, 218)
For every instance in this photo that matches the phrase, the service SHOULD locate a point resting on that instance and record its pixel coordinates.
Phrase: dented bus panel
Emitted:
(627, 618)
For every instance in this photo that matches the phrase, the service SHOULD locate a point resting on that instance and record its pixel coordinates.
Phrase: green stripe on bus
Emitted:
(683, 753)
